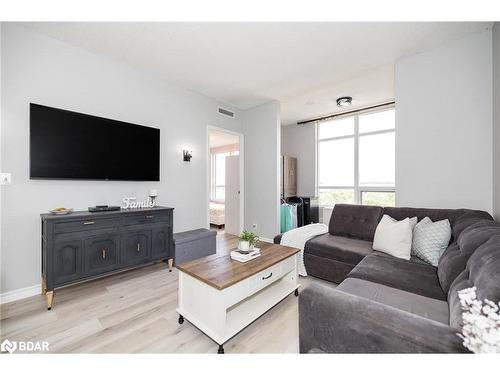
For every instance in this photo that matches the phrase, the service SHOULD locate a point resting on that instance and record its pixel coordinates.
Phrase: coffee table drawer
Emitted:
(266, 277)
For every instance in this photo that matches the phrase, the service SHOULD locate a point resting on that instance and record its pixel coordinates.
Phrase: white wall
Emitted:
(262, 153)
(39, 69)
(496, 120)
(299, 141)
(444, 126)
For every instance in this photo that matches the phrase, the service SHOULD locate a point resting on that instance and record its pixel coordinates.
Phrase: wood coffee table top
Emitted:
(220, 271)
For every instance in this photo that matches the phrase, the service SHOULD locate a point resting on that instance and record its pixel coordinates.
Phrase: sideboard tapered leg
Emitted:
(170, 264)
(44, 286)
(49, 295)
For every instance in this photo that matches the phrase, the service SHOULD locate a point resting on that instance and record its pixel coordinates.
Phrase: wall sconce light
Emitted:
(187, 155)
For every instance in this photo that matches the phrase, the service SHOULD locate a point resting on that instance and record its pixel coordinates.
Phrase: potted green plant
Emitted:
(247, 240)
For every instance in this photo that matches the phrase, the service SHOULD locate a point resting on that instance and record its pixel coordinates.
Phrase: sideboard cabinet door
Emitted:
(161, 242)
(67, 261)
(136, 247)
(101, 253)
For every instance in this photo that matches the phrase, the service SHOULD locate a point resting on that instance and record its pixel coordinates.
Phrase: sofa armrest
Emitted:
(332, 321)
(277, 238)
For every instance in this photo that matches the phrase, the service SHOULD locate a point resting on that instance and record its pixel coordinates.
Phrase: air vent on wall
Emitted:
(225, 112)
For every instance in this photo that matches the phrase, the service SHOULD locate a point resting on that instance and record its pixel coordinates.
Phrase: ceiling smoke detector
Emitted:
(344, 101)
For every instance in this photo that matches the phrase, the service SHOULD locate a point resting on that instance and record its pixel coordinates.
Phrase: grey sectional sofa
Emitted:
(388, 305)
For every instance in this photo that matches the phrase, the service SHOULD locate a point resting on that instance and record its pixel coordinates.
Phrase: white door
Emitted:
(232, 195)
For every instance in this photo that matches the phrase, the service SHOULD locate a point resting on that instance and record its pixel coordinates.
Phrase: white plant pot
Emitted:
(245, 246)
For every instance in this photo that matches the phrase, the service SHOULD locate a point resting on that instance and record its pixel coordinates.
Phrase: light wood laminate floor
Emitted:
(134, 312)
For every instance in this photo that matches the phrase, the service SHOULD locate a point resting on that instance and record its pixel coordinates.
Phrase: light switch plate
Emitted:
(5, 178)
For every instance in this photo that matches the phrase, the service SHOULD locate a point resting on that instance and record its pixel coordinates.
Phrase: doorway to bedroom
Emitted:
(225, 180)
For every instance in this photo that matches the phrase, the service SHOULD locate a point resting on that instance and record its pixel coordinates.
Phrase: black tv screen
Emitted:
(71, 145)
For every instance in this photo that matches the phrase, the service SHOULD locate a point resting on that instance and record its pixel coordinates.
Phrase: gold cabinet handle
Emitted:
(103, 253)
(149, 216)
(88, 222)
(138, 247)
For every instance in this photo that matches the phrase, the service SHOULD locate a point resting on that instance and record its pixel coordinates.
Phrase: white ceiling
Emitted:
(305, 66)
(368, 87)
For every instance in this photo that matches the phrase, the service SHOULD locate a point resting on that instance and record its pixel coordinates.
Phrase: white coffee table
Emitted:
(221, 296)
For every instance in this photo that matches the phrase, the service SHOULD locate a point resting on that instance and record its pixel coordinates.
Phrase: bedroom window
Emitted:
(219, 175)
(356, 158)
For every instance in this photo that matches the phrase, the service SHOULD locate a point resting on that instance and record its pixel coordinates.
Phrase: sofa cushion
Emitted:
(477, 234)
(483, 272)
(400, 274)
(426, 307)
(435, 214)
(455, 257)
(343, 249)
(327, 269)
(355, 221)
(337, 322)
(468, 218)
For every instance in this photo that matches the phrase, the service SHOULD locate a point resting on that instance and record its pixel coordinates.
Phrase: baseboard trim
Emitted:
(18, 294)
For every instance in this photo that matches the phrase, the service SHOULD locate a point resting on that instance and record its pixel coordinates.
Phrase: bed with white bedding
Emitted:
(217, 214)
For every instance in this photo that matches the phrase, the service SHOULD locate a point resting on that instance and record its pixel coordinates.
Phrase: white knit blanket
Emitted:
(299, 236)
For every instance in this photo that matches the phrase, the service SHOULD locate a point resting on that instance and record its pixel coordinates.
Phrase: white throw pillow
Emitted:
(430, 239)
(394, 237)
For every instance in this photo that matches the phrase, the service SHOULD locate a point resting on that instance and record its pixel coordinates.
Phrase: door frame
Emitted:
(241, 138)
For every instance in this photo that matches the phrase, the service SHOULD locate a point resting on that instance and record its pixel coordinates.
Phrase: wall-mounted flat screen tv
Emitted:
(71, 145)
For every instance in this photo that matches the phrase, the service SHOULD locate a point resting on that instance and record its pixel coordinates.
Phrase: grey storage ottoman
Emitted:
(194, 244)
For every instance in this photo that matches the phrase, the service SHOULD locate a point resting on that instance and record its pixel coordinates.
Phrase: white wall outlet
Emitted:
(5, 178)
(254, 226)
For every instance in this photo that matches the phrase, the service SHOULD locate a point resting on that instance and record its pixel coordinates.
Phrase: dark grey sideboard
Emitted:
(83, 245)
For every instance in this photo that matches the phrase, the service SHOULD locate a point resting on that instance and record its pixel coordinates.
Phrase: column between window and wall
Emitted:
(355, 159)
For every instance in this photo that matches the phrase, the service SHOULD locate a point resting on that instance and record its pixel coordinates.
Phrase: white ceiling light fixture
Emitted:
(344, 101)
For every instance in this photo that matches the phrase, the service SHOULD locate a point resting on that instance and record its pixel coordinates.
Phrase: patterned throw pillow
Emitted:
(430, 239)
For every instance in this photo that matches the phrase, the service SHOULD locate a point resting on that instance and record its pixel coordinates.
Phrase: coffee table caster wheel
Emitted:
(181, 319)
(296, 292)
(221, 350)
